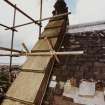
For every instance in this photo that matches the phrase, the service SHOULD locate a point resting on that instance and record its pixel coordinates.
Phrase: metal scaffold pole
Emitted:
(40, 27)
(12, 41)
(22, 12)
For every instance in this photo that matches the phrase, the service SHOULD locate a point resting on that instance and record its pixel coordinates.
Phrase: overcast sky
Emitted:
(82, 11)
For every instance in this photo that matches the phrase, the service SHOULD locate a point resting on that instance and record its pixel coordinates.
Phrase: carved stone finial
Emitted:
(60, 7)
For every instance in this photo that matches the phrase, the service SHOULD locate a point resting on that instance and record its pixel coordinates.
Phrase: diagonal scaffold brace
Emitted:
(52, 51)
(9, 28)
(19, 10)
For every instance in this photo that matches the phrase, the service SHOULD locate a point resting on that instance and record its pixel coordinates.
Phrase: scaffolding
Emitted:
(13, 29)
(36, 22)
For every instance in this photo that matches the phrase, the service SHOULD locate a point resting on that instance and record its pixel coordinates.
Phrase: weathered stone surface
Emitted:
(43, 44)
(51, 32)
(9, 102)
(26, 86)
(36, 63)
(55, 24)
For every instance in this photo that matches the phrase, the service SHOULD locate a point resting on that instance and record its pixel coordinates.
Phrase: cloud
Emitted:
(88, 11)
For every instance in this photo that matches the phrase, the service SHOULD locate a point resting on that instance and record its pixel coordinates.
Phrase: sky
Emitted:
(88, 11)
(83, 11)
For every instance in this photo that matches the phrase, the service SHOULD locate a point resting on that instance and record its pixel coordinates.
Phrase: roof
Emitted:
(87, 27)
